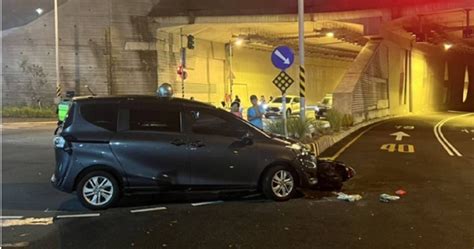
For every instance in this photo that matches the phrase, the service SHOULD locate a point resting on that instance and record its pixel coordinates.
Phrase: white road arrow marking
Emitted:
(283, 58)
(399, 135)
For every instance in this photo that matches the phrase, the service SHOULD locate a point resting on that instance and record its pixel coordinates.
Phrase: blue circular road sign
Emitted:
(282, 57)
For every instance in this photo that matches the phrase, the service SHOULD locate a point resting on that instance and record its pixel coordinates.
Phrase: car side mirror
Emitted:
(247, 138)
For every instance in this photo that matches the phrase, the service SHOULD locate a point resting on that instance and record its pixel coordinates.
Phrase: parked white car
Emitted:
(275, 107)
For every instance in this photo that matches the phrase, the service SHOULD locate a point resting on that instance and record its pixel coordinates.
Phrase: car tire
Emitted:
(98, 190)
(279, 183)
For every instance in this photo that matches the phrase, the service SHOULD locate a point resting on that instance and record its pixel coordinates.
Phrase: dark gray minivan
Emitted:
(110, 146)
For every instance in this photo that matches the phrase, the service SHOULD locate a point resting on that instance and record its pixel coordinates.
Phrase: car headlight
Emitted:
(59, 142)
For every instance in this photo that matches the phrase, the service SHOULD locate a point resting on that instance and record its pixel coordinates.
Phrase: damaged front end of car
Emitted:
(320, 173)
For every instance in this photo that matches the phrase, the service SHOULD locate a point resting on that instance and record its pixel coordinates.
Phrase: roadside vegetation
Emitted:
(28, 112)
(310, 129)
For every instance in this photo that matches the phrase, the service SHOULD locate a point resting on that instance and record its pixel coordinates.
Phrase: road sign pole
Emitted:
(283, 112)
(231, 74)
(183, 51)
(56, 48)
(302, 77)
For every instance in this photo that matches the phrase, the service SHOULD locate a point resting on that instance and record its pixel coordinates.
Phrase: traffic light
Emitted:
(190, 42)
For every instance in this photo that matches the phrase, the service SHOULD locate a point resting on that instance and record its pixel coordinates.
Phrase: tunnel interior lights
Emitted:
(239, 41)
(330, 34)
(39, 11)
(447, 46)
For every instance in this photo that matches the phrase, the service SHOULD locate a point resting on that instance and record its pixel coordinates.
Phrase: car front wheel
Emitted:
(279, 183)
(98, 190)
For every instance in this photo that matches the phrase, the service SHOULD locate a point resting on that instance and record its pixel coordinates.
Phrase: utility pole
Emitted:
(231, 74)
(56, 32)
(183, 61)
(302, 77)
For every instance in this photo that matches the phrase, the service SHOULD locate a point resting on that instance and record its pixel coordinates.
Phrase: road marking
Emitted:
(402, 148)
(11, 217)
(399, 135)
(17, 244)
(147, 210)
(388, 147)
(27, 222)
(442, 139)
(77, 215)
(406, 148)
(405, 127)
(354, 140)
(205, 203)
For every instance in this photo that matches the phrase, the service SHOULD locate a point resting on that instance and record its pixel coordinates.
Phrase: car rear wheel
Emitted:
(98, 190)
(279, 183)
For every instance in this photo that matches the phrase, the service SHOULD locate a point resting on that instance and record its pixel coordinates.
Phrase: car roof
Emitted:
(151, 98)
(288, 96)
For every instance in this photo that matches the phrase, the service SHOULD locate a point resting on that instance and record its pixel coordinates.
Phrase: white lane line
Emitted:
(27, 222)
(77, 215)
(17, 244)
(11, 217)
(442, 139)
(147, 210)
(197, 204)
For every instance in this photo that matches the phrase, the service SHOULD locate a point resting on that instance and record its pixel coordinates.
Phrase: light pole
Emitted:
(302, 77)
(58, 80)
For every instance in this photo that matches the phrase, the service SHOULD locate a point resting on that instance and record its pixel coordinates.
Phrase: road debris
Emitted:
(349, 198)
(388, 198)
(401, 192)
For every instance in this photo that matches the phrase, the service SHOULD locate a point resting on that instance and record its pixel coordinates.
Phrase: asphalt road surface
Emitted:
(429, 156)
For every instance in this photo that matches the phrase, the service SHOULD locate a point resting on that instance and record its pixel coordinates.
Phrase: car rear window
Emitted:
(102, 115)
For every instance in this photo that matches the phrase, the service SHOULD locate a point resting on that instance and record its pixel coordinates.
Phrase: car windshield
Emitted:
(280, 100)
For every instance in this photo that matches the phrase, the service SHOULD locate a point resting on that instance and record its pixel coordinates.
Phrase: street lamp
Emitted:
(330, 34)
(447, 46)
(239, 41)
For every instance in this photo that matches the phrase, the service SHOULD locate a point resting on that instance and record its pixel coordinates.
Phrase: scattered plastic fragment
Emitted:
(388, 198)
(349, 198)
(401, 192)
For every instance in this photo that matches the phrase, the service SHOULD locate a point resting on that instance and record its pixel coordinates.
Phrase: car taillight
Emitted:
(59, 142)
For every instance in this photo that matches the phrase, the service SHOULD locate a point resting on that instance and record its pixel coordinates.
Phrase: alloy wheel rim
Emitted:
(98, 190)
(282, 183)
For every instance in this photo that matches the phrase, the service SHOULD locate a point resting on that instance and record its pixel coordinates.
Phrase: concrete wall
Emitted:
(208, 71)
(92, 41)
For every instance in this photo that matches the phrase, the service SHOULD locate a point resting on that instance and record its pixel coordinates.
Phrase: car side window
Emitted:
(103, 115)
(205, 122)
(296, 100)
(144, 119)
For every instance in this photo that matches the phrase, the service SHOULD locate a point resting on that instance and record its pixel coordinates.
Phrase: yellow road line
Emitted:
(354, 140)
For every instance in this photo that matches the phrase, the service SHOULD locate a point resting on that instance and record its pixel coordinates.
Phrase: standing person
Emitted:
(255, 113)
(262, 100)
(235, 109)
(237, 99)
(270, 99)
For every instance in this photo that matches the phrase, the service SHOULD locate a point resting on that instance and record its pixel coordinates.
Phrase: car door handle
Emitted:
(178, 142)
(197, 143)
